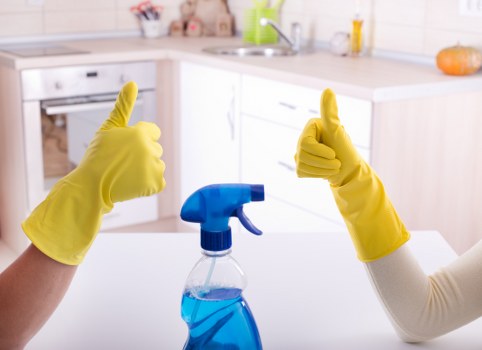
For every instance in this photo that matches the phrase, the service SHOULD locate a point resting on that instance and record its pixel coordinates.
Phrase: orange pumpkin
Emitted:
(459, 60)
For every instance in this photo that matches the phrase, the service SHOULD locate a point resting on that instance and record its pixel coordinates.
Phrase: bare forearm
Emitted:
(30, 290)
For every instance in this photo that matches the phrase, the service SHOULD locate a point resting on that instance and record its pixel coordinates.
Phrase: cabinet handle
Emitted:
(287, 105)
(314, 111)
(230, 114)
(286, 166)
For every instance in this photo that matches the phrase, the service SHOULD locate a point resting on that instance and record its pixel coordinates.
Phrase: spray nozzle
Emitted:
(213, 205)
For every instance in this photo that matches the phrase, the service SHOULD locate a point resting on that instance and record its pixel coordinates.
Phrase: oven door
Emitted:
(57, 133)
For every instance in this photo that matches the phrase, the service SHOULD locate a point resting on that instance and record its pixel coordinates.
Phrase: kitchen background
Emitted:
(415, 27)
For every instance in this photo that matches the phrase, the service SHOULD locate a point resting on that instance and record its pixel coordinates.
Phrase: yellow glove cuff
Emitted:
(375, 228)
(64, 226)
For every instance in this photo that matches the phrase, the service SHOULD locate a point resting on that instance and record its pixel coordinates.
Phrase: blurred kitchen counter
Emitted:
(372, 78)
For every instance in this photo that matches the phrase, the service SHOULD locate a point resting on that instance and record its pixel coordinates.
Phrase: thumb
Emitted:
(329, 111)
(120, 115)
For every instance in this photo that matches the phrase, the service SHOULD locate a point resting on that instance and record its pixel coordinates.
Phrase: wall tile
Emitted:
(12, 6)
(395, 37)
(408, 12)
(288, 18)
(165, 3)
(337, 9)
(419, 27)
(126, 3)
(170, 14)
(80, 21)
(444, 14)
(327, 8)
(126, 20)
(238, 17)
(72, 5)
(21, 24)
(435, 40)
(291, 6)
(287, 5)
(323, 30)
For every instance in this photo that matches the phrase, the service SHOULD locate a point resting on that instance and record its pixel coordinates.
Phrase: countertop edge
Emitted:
(273, 74)
(147, 52)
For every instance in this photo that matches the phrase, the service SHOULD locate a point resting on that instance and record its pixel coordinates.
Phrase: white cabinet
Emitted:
(241, 128)
(209, 127)
(273, 115)
(291, 204)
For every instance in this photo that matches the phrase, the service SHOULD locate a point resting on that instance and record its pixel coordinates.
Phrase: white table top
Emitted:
(306, 291)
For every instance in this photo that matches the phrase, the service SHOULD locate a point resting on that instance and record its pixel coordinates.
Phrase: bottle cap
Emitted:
(216, 241)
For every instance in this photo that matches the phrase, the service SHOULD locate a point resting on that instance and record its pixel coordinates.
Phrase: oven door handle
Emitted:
(81, 107)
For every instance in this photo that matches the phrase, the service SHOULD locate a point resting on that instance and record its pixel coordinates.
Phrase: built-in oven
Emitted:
(62, 109)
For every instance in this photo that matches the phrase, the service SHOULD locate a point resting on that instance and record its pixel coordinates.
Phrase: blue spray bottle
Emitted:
(213, 307)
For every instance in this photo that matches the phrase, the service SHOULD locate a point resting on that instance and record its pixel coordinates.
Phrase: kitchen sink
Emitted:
(267, 51)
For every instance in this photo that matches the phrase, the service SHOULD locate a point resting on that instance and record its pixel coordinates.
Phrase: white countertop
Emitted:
(306, 291)
(376, 79)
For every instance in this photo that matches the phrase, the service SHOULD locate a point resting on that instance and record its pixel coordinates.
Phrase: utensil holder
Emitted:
(151, 28)
(255, 33)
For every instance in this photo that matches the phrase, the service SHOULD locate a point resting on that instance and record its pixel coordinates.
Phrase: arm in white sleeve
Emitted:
(422, 307)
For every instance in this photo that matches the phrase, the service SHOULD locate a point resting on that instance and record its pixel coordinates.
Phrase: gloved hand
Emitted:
(122, 162)
(325, 150)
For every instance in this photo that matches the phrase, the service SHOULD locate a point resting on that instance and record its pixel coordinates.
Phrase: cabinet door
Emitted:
(292, 204)
(294, 105)
(209, 127)
(273, 115)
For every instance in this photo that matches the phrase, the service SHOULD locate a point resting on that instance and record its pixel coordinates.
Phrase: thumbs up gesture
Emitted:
(324, 148)
(125, 158)
(122, 162)
(326, 151)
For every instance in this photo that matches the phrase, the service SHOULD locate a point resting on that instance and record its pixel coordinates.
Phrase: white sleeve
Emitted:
(422, 307)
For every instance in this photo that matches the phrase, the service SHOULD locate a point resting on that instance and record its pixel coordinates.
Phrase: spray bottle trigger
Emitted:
(248, 225)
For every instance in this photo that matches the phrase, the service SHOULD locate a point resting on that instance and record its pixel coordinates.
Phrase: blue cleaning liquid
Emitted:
(220, 320)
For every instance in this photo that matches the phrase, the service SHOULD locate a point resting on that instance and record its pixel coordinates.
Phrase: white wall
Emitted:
(55, 17)
(419, 27)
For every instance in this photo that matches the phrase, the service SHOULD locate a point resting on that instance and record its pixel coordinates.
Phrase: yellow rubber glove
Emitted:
(325, 150)
(121, 163)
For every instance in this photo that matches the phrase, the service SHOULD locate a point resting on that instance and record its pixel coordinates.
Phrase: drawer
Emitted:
(282, 103)
(267, 157)
(293, 105)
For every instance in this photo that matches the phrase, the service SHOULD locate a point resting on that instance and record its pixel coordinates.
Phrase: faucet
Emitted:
(295, 41)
